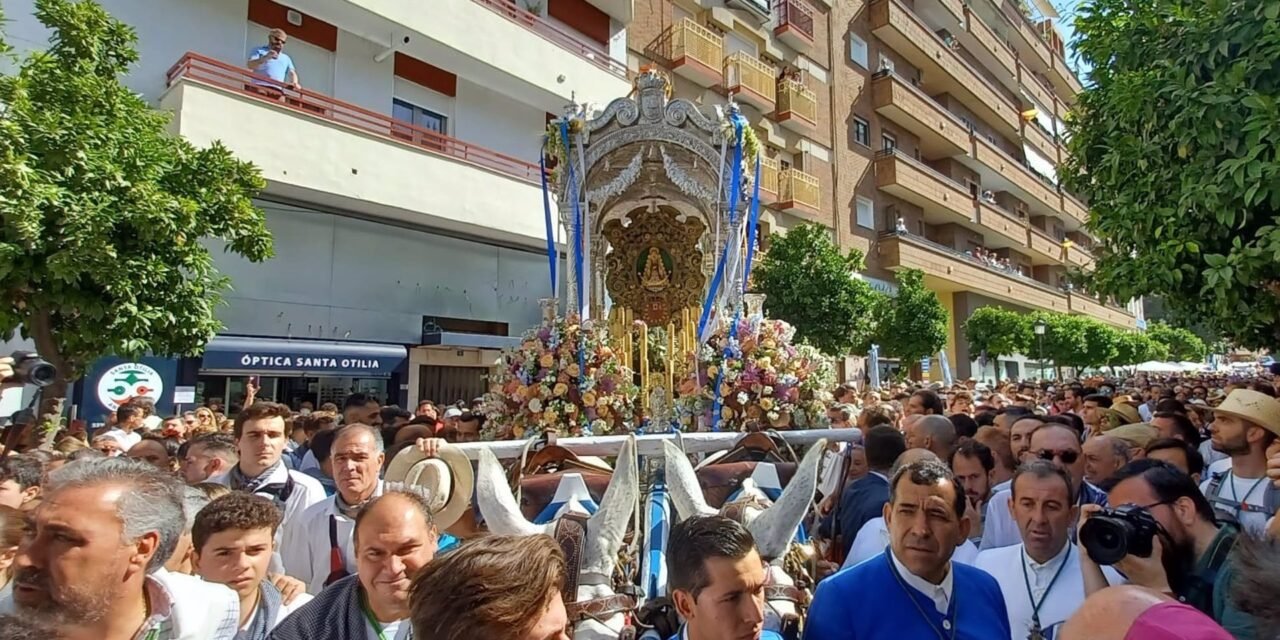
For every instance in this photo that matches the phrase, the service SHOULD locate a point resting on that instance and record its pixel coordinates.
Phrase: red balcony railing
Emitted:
(794, 13)
(194, 67)
(557, 35)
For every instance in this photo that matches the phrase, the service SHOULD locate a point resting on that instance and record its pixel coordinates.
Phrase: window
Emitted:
(888, 142)
(415, 115)
(866, 213)
(861, 132)
(858, 51)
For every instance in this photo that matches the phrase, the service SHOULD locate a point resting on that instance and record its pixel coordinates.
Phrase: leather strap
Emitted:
(571, 534)
(786, 592)
(600, 607)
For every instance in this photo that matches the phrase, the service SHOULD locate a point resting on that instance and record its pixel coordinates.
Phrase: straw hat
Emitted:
(1137, 435)
(448, 479)
(1128, 413)
(1252, 406)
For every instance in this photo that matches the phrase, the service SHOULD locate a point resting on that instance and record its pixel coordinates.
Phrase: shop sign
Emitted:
(307, 363)
(128, 380)
(371, 364)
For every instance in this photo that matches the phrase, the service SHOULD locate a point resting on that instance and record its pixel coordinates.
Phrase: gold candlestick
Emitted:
(671, 359)
(644, 365)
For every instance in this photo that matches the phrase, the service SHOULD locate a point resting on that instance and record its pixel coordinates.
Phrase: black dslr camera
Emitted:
(1112, 534)
(30, 368)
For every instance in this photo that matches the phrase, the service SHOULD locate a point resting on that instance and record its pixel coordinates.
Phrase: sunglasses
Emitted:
(1067, 456)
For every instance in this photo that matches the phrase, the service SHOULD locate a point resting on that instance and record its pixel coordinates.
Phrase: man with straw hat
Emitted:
(1244, 426)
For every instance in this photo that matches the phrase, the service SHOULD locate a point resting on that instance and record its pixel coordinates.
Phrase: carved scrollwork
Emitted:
(623, 110)
(619, 183)
(683, 181)
(682, 111)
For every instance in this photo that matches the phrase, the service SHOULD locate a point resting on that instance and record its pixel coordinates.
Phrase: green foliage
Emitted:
(104, 213)
(998, 332)
(1134, 348)
(1174, 145)
(809, 283)
(1181, 344)
(913, 324)
(1103, 341)
(1065, 339)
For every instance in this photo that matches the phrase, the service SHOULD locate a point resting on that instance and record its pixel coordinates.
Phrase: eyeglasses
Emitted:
(1066, 456)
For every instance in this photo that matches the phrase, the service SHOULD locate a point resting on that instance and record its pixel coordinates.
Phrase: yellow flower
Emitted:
(712, 371)
(603, 401)
(517, 432)
(573, 370)
(570, 408)
(547, 360)
(602, 410)
(560, 389)
(588, 399)
(726, 413)
(725, 390)
(766, 403)
(768, 343)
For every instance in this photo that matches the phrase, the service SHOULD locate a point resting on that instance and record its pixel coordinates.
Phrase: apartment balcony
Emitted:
(942, 68)
(795, 24)
(1041, 141)
(797, 107)
(994, 219)
(946, 270)
(1081, 304)
(942, 199)
(1031, 85)
(1044, 249)
(696, 52)
(999, 57)
(1001, 172)
(1077, 256)
(769, 180)
(799, 193)
(750, 80)
(1073, 209)
(941, 133)
(312, 147)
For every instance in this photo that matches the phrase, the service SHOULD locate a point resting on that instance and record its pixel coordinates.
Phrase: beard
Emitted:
(1232, 447)
(1179, 561)
(84, 602)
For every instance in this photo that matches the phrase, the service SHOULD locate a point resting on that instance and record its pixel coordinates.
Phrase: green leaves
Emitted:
(998, 332)
(104, 213)
(1181, 344)
(809, 283)
(1175, 147)
(912, 324)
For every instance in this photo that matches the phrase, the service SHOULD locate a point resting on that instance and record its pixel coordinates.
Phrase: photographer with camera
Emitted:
(1161, 534)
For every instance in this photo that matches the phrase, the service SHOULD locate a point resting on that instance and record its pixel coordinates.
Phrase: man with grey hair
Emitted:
(92, 563)
(1104, 455)
(316, 547)
(181, 561)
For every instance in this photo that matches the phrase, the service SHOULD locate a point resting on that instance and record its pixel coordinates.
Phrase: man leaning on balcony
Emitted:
(272, 62)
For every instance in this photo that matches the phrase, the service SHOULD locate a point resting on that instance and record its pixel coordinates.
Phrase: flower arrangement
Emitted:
(557, 148)
(750, 147)
(767, 379)
(541, 386)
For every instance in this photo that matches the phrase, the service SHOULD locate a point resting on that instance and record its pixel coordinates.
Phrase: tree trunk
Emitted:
(995, 362)
(54, 396)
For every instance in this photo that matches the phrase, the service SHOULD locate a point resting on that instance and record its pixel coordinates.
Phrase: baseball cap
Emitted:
(453, 412)
(1175, 621)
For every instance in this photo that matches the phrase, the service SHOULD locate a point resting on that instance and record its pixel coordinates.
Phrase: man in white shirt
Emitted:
(394, 539)
(1244, 425)
(234, 538)
(317, 547)
(128, 420)
(92, 561)
(1039, 578)
(260, 439)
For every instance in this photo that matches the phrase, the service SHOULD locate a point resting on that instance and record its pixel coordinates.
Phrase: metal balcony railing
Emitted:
(966, 257)
(560, 36)
(744, 71)
(196, 68)
(769, 171)
(794, 14)
(694, 41)
(798, 99)
(800, 187)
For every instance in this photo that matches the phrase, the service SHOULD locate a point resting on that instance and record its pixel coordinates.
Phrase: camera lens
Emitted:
(1106, 538)
(35, 371)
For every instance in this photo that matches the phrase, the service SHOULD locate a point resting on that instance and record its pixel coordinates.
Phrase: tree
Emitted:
(1173, 145)
(1103, 341)
(104, 213)
(913, 324)
(1065, 339)
(809, 282)
(998, 332)
(1134, 348)
(1182, 344)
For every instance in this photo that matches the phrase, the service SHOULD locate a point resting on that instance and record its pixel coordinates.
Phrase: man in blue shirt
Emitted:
(272, 62)
(716, 579)
(913, 590)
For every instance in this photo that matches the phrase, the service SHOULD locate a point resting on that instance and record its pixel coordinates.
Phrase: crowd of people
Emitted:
(954, 512)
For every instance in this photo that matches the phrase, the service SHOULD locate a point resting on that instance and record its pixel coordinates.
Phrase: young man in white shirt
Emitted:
(1244, 425)
(1039, 578)
(128, 421)
(234, 537)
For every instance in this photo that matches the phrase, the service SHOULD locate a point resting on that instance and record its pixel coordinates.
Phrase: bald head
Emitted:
(940, 432)
(395, 509)
(1108, 614)
(912, 456)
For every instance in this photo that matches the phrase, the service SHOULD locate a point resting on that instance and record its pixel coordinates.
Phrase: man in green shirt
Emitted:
(1192, 556)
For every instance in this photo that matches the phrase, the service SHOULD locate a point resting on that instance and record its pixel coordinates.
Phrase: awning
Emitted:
(277, 356)
(459, 340)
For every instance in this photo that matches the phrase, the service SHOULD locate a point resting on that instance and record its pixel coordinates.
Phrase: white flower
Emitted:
(535, 405)
(742, 397)
(768, 391)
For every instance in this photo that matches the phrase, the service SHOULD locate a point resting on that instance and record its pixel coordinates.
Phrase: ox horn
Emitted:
(682, 483)
(775, 527)
(607, 527)
(496, 503)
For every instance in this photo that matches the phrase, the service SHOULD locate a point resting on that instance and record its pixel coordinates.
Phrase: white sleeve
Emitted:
(867, 544)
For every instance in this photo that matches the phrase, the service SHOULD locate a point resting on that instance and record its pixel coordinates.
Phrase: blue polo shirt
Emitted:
(277, 69)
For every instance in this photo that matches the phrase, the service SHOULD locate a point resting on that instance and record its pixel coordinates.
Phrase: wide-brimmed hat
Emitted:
(1216, 395)
(1138, 435)
(1253, 406)
(1128, 413)
(448, 480)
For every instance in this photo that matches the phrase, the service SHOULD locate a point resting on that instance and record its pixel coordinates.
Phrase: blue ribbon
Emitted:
(752, 223)
(546, 213)
(577, 266)
(735, 193)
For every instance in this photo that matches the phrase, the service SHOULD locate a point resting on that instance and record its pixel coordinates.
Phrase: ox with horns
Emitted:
(596, 610)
